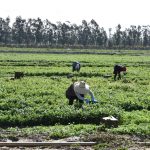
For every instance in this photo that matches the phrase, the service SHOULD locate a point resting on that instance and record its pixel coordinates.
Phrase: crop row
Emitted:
(39, 97)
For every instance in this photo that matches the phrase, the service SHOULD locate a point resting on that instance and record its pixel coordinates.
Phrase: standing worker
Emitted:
(77, 91)
(117, 71)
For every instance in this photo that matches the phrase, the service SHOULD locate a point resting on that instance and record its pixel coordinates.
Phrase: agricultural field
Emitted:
(37, 104)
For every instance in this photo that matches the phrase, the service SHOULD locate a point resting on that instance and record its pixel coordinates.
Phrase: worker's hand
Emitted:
(94, 101)
(87, 101)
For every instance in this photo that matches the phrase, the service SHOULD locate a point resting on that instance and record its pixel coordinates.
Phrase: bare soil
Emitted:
(105, 141)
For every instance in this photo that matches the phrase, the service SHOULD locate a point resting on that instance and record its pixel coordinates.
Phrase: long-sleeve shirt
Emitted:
(82, 98)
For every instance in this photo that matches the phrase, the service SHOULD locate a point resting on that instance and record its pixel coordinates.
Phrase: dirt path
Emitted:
(104, 141)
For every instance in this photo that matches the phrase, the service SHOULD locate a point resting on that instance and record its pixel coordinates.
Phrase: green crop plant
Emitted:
(39, 97)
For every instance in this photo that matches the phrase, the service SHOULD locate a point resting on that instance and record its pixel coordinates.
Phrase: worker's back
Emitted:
(76, 66)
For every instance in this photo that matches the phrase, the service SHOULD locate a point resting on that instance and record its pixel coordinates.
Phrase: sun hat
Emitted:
(81, 87)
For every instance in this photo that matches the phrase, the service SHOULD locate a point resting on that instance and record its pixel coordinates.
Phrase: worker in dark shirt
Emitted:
(76, 66)
(117, 71)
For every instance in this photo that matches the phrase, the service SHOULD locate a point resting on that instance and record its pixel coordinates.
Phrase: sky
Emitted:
(107, 13)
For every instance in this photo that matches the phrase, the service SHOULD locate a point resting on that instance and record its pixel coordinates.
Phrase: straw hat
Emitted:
(81, 87)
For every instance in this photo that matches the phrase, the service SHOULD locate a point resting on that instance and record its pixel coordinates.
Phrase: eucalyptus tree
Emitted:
(30, 37)
(5, 31)
(110, 39)
(54, 38)
(84, 33)
(139, 36)
(47, 32)
(37, 29)
(135, 34)
(2, 22)
(63, 33)
(131, 37)
(66, 33)
(124, 38)
(18, 31)
(146, 36)
(59, 33)
(117, 36)
(74, 32)
(95, 30)
(1, 30)
(102, 38)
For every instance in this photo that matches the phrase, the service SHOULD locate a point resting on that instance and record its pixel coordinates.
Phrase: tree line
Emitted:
(43, 33)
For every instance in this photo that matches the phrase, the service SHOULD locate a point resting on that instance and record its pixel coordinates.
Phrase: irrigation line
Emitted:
(33, 144)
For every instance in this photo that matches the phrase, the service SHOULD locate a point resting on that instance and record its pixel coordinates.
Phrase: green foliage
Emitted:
(53, 132)
(39, 97)
(141, 129)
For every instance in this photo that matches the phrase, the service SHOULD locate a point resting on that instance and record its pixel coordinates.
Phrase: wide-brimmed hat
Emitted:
(81, 87)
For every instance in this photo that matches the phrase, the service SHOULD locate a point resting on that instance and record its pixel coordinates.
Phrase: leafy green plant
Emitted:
(39, 97)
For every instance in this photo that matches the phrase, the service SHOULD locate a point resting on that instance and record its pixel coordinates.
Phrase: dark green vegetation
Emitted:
(43, 33)
(38, 99)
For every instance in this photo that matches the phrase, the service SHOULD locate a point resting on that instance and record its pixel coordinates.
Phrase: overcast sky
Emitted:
(107, 13)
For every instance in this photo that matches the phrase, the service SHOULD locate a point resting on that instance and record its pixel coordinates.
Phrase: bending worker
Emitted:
(77, 91)
(76, 66)
(117, 71)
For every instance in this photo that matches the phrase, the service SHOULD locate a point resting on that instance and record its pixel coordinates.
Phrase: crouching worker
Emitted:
(76, 66)
(117, 71)
(77, 91)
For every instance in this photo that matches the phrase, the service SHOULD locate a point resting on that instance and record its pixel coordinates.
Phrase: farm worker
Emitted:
(76, 66)
(117, 71)
(77, 91)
